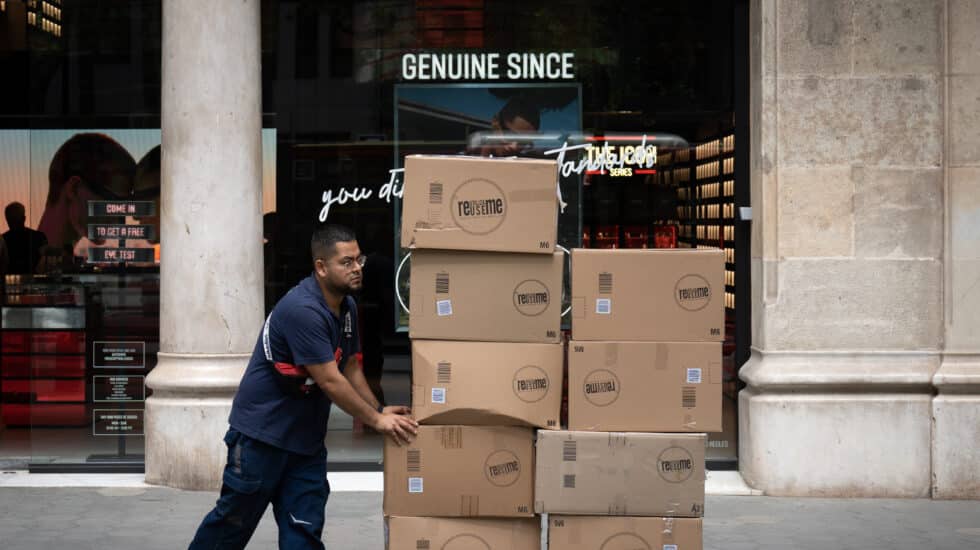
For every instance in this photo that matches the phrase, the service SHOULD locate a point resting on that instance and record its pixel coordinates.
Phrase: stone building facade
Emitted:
(864, 378)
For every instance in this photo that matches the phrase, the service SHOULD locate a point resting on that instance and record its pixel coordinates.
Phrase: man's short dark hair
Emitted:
(324, 242)
(15, 214)
(518, 106)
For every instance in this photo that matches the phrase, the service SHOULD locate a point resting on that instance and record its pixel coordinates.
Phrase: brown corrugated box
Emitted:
(665, 295)
(644, 386)
(461, 471)
(484, 383)
(624, 533)
(619, 474)
(476, 203)
(486, 296)
(463, 534)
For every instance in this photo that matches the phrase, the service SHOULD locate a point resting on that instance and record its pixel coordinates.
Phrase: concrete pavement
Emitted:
(150, 518)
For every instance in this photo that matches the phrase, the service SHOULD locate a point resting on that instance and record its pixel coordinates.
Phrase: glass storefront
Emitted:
(349, 89)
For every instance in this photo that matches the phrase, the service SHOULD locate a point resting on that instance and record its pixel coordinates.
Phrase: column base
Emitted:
(837, 424)
(187, 417)
(956, 428)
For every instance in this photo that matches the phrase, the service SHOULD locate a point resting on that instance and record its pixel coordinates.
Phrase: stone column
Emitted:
(211, 305)
(956, 410)
(847, 271)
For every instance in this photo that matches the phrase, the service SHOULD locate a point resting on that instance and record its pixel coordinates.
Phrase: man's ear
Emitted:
(320, 267)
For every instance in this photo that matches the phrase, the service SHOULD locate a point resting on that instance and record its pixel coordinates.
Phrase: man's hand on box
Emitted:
(397, 425)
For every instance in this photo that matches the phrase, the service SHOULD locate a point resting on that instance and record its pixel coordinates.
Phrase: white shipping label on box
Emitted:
(439, 396)
(414, 485)
(603, 306)
(693, 376)
(444, 308)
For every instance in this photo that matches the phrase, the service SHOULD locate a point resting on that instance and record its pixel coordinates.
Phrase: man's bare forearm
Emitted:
(355, 375)
(339, 389)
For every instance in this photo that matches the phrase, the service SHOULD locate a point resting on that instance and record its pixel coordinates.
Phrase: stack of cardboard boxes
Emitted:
(644, 374)
(486, 354)
(644, 382)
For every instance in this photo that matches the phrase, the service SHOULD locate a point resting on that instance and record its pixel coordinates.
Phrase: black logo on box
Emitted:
(531, 384)
(503, 468)
(531, 298)
(466, 541)
(479, 206)
(625, 541)
(601, 387)
(692, 292)
(675, 465)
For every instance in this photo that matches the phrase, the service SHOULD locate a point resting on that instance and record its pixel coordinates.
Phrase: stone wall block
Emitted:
(964, 204)
(857, 305)
(876, 122)
(964, 40)
(898, 213)
(815, 37)
(963, 332)
(964, 119)
(834, 445)
(815, 212)
(898, 37)
(956, 455)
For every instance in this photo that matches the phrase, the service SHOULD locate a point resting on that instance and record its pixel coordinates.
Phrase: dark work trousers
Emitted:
(256, 475)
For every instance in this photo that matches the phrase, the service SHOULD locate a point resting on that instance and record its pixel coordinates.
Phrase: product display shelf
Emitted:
(42, 347)
(705, 180)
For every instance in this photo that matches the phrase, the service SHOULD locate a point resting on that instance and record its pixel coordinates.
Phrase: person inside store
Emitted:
(87, 167)
(517, 116)
(4, 259)
(23, 243)
(305, 358)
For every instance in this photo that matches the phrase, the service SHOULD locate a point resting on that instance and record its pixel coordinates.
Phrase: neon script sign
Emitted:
(599, 158)
(607, 159)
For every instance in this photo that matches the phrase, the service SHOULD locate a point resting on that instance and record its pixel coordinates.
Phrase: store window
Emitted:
(80, 190)
(357, 86)
(349, 89)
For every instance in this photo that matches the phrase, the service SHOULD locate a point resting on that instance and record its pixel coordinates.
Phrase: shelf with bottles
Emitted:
(714, 232)
(724, 145)
(715, 168)
(714, 189)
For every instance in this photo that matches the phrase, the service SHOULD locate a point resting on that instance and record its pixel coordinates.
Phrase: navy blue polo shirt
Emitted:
(302, 330)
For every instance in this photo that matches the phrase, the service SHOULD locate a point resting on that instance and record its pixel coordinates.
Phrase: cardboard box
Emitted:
(461, 471)
(489, 384)
(463, 534)
(644, 386)
(486, 296)
(619, 474)
(662, 295)
(476, 203)
(624, 533)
